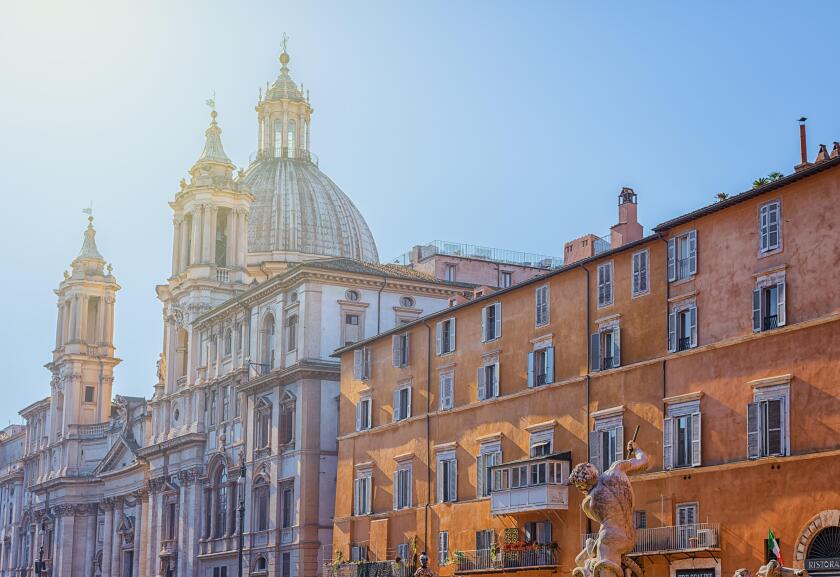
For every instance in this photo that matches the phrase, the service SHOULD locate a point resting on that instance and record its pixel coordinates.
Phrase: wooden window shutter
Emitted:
(480, 476)
(619, 443)
(595, 449)
(756, 308)
(643, 274)
(498, 326)
(608, 285)
(484, 324)
(780, 312)
(636, 272)
(439, 338)
(356, 503)
(595, 352)
(359, 415)
(668, 443)
(366, 367)
(549, 365)
(453, 480)
(696, 436)
(440, 480)
(397, 415)
(451, 335)
(397, 488)
(531, 369)
(407, 348)
(358, 363)
(408, 402)
(496, 379)
(764, 227)
(692, 322)
(753, 431)
(616, 352)
(672, 331)
(775, 427)
(368, 495)
(672, 259)
(481, 384)
(692, 252)
(396, 359)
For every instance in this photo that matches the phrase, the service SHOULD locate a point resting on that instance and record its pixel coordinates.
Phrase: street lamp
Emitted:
(241, 490)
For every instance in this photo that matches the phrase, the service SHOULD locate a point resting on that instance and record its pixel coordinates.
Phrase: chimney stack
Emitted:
(803, 146)
(628, 228)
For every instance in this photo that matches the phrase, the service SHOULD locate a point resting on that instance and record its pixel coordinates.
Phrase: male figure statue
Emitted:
(609, 502)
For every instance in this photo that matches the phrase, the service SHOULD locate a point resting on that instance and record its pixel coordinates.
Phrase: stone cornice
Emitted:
(306, 369)
(168, 444)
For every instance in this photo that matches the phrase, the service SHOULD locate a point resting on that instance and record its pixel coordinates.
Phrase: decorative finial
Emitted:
(284, 56)
(260, 96)
(89, 211)
(211, 102)
(110, 269)
(66, 275)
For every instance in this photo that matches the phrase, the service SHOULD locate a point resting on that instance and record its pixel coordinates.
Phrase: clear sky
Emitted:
(507, 124)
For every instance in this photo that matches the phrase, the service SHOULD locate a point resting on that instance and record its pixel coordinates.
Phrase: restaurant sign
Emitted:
(822, 565)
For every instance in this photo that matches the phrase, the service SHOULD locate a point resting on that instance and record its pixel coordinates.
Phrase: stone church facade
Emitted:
(273, 268)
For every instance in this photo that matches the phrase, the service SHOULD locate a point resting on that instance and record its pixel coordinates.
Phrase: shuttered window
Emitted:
(682, 256)
(402, 487)
(488, 381)
(605, 349)
(364, 414)
(443, 547)
(605, 284)
(682, 436)
(640, 272)
(361, 363)
(362, 493)
(402, 403)
(490, 454)
(767, 426)
(399, 350)
(446, 391)
(768, 306)
(447, 477)
(606, 442)
(541, 305)
(445, 336)
(491, 322)
(541, 367)
(682, 328)
(769, 224)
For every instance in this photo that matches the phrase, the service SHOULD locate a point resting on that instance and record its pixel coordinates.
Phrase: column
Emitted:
(242, 227)
(195, 246)
(159, 529)
(108, 322)
(176, 249)
(183, 526)
(58, 327)
(68, 523)
(74, 316)
(205, 234)
(149, 549)
(211, 233)
(65, 322)
(107, 537)
(83, 318)
(90, 541)
(138, 531)
(116, 541)
(184, 245)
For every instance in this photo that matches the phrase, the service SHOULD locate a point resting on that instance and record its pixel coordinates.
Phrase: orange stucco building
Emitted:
(717, 336)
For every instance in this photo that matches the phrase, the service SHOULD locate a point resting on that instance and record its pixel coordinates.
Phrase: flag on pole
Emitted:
(773, 545)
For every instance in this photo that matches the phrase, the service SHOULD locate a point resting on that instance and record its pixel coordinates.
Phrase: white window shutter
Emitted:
(616, 352)
(595, 352)
(692, 321)
(397, 415)
(356, 504)
(636, 272)
(453, 480)
(359, 416)
(496, 380)
(481, 384)
(595, 449)
(408, 403)
(397, 488)
(619, 443)
(672, 259)
(753, 431)
(643, 256)
(549, 365)
(531, 369)
(440, 481)
(358, 363)
(756, 310)
(498, 326)
(452, 334)
(696, 437)
(409, 487)
(439, 338)
(369, 494)
(781, 318)
(395, 350)
(609, 289)
(764, 232)
(484, 324)
(692, 252)
(672, 331)
(479, 475)
(668, 443)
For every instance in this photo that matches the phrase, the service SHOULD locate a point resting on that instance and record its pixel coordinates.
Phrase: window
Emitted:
(538, 532)
(261, 504)
(263, 424)
(213, 396)
(363, 413)
(681, 436)
(490, 454)
(267, 343)
(171, 520)
(541, 308)
(606, 348)
(399, 350)
(352, 330)
(358, 553)
(769, 224)
(541, 367)
(287, 419)
(287, 504)
(221, 503)
(402, 486)
(362, 493)
(484, 540)
(225, 403)
(407, 302)
(286, 564)
(506, 279)
(443, 547)
(278, 143)
(449, 273)
(640, 519)
(261, 565)
(291, 332)
(352, 295)
(767, 422)
(682, 327)
(228, 344)
(402, 403)
(682, 256)
(605, 284)
(220, 572)
(445, 338)
(491, 322)
(488, 381)
(640, 273)
(89, 395)
(447, 477)
(606, 442)
(403, 551)
(361, 364)
(291, 138)
(446, 391)
(769, 303)
(686, 513)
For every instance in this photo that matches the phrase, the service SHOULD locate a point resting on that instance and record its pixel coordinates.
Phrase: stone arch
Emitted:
(827, 518)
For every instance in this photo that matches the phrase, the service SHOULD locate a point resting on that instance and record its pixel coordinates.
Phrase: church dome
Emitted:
(298, 209)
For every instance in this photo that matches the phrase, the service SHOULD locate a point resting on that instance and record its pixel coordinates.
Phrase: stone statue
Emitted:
(609, 502)
(775, 569)
(161, 368)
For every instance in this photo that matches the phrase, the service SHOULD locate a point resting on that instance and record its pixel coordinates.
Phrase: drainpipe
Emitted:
(667, 313)
(588, 372)
(379, 305)
(428, 435)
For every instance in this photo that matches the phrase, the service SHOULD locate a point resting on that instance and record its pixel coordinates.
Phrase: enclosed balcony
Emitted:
(691, 540)
(536, 484)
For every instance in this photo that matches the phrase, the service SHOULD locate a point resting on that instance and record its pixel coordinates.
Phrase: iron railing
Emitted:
(607, 362)
(463, 250)
(369, 569)
(683, 343)
(285, 152)
(673, 539)
(682, 268)
(770, 322)
(502, 559)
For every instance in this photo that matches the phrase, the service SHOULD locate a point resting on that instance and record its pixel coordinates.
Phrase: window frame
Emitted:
(640, 273)
(403, 486)
(447, 477)
(398, 402)
(761, 321)
(491, 322)
(606, 286)
(606, 424)
(363, 424)
(757, 447)
(542, 307)
(485, 390)
(689, 410)
(363, 487)
(764, 246)
(676, 258)
(446, 400)
(676, 337)
(445, 335)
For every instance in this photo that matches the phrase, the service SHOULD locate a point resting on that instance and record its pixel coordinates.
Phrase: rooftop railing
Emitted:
(463, 250)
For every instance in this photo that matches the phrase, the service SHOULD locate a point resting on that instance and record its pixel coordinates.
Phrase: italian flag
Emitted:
(774, 547)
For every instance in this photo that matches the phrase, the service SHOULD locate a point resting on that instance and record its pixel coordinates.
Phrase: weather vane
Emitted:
(89, 211)
(211, 102)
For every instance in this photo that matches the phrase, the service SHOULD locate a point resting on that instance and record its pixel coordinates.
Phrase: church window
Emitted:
(261, 502)
(287, 504)
(92, 319)
(278, 138)
(287, 420)
(225, 403)
(89, 394)
(291, 138)
(268, 343)
(221, 502)
(292, 329)
(213, 407)
(263, 424)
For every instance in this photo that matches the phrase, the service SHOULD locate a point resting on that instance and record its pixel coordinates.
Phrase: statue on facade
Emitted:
(609, 502)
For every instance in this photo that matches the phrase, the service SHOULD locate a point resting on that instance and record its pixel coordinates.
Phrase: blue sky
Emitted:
(507, 124)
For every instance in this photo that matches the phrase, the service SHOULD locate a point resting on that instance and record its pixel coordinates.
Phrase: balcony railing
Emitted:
(770, 322)
(369, 569)
(181, 381)
(537, 484)
(683, 343)
(674, 539)
(88, 431)
(504, 559)
(222, 274)
(607, 362)
(285, 152)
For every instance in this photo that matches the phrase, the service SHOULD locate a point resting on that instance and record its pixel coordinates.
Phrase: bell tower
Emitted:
(83, 361)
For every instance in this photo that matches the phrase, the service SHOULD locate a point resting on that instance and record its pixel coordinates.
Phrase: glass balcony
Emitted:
(536, 484)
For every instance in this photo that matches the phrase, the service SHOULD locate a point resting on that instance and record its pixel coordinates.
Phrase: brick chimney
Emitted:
(803, 147)
(628, 228)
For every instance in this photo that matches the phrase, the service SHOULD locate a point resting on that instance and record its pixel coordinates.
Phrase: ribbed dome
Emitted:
(298, 209)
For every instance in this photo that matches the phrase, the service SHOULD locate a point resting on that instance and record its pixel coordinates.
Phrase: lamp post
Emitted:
(241, 490)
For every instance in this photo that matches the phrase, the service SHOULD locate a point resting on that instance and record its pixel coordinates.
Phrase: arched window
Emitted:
(268, 343)
(261, 564)
(278, 138)
(261, 502)
(287, 419)
(291, 138)
(221, 502)
(263, 424)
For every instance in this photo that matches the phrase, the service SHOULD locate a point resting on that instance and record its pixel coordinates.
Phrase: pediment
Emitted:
(120, 456)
